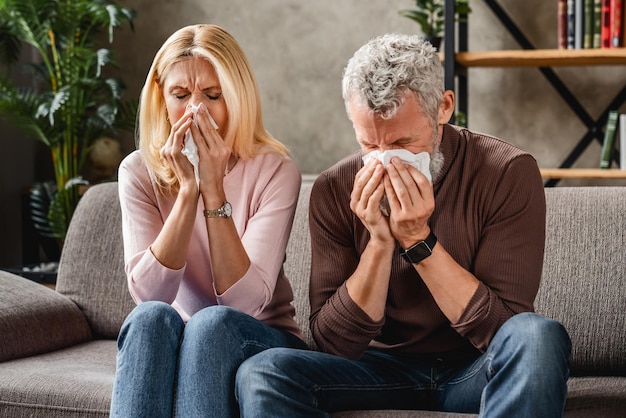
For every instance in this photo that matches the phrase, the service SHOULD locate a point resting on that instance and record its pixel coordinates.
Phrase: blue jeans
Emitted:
(166, 368)
(523, 373)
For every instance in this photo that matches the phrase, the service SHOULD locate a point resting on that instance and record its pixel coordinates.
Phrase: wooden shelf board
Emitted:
(542, 57)
(583, 173)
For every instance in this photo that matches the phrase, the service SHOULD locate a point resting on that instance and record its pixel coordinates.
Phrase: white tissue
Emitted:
(421, 160)
(190, 150)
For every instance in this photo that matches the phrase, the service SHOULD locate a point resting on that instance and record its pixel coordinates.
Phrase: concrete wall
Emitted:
(298, 50)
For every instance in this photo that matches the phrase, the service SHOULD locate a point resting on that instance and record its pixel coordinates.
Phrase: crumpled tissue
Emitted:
(421, 161)
(190, 149)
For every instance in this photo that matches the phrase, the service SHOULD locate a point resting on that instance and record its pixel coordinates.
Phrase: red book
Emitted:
(561, 13)
(616, 23)
(605, 31)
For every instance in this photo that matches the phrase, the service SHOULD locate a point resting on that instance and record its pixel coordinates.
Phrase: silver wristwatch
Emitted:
(224, 212)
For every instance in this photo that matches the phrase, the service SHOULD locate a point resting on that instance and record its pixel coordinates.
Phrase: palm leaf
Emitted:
(74, 104)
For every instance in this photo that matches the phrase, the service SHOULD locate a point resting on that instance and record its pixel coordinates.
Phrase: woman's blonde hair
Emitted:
(245, 133)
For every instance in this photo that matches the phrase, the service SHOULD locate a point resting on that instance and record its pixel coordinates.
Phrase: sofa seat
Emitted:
(72, 382)
(58, 348)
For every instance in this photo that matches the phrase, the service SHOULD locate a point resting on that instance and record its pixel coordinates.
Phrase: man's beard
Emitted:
(436, 157)
(436, 163)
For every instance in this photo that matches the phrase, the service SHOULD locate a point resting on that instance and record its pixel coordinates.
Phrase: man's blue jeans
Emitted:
(166, 368)
(523, 373)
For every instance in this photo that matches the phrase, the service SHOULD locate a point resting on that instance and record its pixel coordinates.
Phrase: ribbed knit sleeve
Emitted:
(338, 325)
(509, 257)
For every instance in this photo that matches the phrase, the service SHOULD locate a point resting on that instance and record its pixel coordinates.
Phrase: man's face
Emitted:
(408, 129)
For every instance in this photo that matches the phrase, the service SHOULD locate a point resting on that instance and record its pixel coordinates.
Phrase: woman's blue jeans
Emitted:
(523, 373)
(166, 368)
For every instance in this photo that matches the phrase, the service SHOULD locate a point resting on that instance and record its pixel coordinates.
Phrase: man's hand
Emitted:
(411, 200)
(365, 199)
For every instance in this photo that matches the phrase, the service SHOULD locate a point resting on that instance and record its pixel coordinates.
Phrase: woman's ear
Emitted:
(446, 109)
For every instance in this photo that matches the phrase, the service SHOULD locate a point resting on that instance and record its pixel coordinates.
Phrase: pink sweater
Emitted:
(263, 192)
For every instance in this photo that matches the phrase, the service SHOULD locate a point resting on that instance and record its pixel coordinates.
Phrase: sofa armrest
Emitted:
(35, 319)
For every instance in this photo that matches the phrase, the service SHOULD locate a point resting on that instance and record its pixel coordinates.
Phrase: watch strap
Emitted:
(222, 212)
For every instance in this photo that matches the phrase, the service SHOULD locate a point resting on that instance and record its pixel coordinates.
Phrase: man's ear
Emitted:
(446, 109)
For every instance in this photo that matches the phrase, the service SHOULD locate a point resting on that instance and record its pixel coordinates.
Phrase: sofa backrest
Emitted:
(583, 284)
(584, 274)
(298, 262)
(91, 269)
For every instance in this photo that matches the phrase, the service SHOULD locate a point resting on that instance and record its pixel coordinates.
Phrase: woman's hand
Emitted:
(213, 152)
(171, 152)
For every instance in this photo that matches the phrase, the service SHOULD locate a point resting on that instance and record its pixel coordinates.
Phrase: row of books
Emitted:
(590, 24)
(615, 128)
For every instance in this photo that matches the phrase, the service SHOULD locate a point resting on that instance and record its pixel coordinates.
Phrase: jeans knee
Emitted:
(151, 320)
(214, 320)
(257, 371)
(533, 342)
(534, 330)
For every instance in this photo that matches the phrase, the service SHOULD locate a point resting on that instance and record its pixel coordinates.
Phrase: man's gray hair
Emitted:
(381, 71)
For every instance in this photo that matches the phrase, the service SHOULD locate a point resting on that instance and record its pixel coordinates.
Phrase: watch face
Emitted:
(419, 252)
(228, 210)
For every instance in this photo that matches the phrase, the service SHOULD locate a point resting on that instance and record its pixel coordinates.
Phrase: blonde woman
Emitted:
(204, 242)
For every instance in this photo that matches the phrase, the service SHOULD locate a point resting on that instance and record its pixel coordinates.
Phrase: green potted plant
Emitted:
(71, 102)
(429, 14)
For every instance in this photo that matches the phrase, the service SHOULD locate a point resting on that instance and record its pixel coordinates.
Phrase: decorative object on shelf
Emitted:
(103, 160)
(71, 102)
(429, 14)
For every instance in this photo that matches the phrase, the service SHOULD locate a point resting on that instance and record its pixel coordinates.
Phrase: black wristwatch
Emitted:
(419, 251)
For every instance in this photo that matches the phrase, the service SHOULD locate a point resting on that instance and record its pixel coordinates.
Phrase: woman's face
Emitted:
(191, 82)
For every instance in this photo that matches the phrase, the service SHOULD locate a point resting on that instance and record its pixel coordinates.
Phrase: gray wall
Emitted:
(299, 48)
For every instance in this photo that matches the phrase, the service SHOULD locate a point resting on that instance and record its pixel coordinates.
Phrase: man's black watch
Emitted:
(419, 251)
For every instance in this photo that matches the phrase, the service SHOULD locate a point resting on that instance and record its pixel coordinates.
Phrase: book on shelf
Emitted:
(605, 29)
(588, 24)
(561, 12)
(622, 141)
(578, 24)
(571, 24)
(608, 142)
(597, 24)
(616, 23)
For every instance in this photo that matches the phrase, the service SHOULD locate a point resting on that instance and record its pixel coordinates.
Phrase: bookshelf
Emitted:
(457, 59)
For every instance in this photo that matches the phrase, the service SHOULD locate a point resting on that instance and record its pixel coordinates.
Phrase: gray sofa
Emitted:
(58, 348)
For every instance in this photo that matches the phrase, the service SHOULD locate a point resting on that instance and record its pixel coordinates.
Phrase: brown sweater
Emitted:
(489, 215)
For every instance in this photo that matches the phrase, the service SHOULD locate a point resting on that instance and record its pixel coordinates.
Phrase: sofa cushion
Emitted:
(75, 382)
(584, 275)
(35, 319)
(91, 270)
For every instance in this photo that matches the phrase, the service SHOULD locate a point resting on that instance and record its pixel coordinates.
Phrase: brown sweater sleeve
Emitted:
(338, 325)
(509, 258)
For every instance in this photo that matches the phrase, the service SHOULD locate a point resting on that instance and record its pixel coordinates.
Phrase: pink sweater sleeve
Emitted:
(265, 237)
(142, 220)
